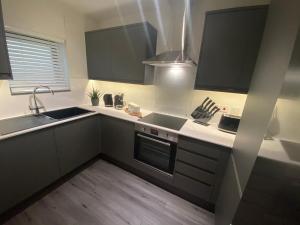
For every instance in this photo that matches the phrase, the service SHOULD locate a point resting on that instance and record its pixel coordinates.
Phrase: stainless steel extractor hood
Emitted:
(181, 57)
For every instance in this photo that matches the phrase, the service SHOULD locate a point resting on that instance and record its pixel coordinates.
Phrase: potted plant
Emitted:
(95, 96)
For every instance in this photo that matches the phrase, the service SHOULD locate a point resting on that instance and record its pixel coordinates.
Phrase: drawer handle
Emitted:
(154, 140)
(194, 179)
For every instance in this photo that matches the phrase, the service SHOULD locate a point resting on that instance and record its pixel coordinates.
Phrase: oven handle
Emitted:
(154, 140)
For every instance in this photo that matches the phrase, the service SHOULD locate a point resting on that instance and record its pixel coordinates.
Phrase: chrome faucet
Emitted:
(37, 108)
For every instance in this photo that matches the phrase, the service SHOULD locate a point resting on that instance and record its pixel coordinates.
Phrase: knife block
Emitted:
(203, 121)
(203, 113)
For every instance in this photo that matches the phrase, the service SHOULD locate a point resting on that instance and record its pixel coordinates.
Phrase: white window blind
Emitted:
(36, 62)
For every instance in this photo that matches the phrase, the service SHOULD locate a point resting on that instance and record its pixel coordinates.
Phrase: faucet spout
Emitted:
(37, 108)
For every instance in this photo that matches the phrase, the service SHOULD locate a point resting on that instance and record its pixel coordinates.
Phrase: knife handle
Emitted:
(209, 107)
(205, 100)
(207, 104)
(215, 112)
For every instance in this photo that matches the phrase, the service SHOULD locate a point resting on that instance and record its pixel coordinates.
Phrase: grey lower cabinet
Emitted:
(77, 142)
(199, 168)
(31, 162)
(117, 143)
(117, 139)
(230, 45)
(5, 69)
(116, 54)
(28, 163)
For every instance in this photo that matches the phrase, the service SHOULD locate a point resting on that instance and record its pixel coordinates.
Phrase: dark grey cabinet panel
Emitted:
(77, 142)
(28, 163)
(5, 70)
(195, 173)
(197, 160)
(117, 142)
(192, 186)
(117, 139)
(99, 55)
(272, 192)
(116, 54)
(230, 46)
(130, 46)
(199, 168)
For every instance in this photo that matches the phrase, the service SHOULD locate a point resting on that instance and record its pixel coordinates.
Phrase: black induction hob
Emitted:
(171, 122)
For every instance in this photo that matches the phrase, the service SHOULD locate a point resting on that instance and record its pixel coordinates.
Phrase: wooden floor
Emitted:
(106, 194)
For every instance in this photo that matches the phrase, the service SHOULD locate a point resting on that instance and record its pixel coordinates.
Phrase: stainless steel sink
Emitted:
(16, 124)
(66, 113)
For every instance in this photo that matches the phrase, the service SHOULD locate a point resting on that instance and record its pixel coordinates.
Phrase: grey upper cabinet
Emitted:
(230, 46)
(116, 54)
(77, 142)
(28, 163)
(5, 69)
(99, 55)
(117, 139)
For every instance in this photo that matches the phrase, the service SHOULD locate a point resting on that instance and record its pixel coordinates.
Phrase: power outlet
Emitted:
(224, 108)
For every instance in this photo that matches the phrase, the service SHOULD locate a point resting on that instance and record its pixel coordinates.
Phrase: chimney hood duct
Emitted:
(180, 57)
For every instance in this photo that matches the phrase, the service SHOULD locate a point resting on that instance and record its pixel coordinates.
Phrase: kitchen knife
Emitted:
(203, 103)
(210, 106)
(196, 111)
(213, 109)
(206, 109)
(213, 113)
(207, 98)
(209, 113)
(207, 104)
(203, 110)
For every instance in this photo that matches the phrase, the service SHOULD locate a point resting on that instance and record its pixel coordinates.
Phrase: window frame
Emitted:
(43, 40)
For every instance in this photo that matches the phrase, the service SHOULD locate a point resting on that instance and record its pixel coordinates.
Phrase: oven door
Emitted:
(156, 152)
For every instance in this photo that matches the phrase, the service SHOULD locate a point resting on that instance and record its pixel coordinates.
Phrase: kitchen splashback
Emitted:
(173, 89)
(147, 96)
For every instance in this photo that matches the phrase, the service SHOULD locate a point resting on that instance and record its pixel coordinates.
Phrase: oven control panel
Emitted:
(157, 132)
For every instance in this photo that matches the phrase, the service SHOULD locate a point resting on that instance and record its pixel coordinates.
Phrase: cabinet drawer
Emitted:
(194, 173)
(192, 187)
(202, 148)
(197, 161)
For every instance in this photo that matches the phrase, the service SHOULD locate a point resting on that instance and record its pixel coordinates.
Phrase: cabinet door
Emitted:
(28, 163)
(117, 139)
(5, 70)
(130, 46)
(116, 54)
(98, 51)
(230, 46)
(77, 142)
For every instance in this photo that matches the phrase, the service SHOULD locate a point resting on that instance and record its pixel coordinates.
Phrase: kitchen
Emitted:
(68, 162)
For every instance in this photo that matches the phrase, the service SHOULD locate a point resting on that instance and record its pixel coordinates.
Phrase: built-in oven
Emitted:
(155, 147)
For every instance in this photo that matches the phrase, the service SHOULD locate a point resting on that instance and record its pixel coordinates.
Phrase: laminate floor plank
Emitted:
(104, 194)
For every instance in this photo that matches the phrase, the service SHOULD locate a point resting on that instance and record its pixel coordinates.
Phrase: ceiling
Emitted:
(98, 9)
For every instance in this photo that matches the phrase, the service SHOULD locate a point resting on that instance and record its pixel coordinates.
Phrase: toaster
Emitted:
(229, 123)
(133, 108)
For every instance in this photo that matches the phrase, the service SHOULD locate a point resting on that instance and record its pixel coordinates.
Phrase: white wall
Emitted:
(288, 116)
(53, 20)
(160, 19)
(49, 18)
(169, 37)
(285, 122)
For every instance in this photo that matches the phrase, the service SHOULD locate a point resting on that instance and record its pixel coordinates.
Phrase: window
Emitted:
(36, 62)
